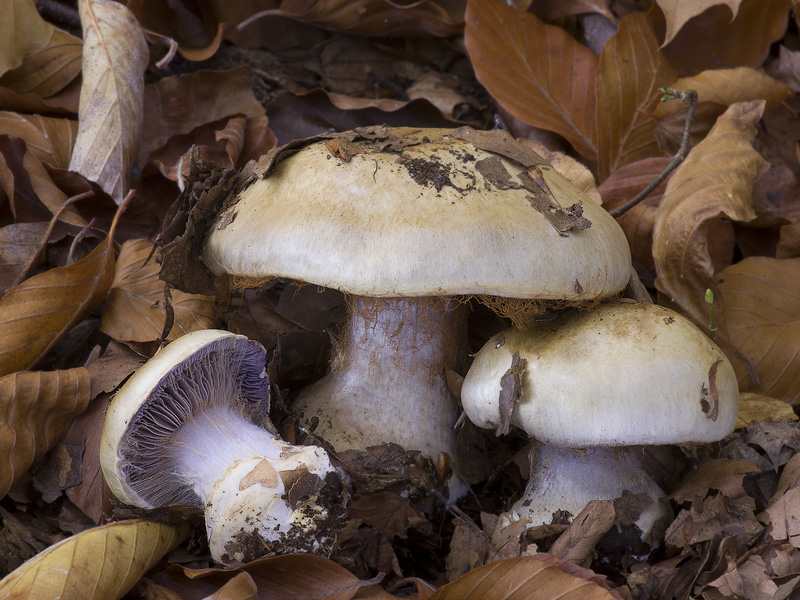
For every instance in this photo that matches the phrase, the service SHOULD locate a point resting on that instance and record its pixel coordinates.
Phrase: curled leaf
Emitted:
(102, 563)
(115, 56)
(678, 12)
(22, 31)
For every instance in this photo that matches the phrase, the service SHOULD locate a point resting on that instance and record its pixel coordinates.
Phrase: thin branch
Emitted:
(688, 97)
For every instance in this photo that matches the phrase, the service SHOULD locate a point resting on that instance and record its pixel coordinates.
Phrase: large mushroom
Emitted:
(592, 388)
(183, 429)
(408, 222)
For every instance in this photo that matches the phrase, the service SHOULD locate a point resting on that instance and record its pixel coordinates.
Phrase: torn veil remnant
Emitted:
(597, 386)
(402, 220)
(182, 430)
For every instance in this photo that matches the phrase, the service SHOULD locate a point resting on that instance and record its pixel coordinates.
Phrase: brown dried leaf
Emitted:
(38, 312)
(19, 243)
(726, 87)
(49, 139)
(715, 179)
(48, 70)
(677, 12)
(115, 57)
(762, 316)
(536, 71)
(510, 392)
(580, 538)
(755, 407)
(37, 409)
(631, 71)
(784, 514)
(102, 563)
(539, 576)
(723, 474)
(575, 171)
(135, 310)
(22, 31)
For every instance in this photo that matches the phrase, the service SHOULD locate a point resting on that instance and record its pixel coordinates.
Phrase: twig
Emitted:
(688, 97)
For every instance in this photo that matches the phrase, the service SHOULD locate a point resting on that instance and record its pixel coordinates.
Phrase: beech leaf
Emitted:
(762, 314)
(49, 139)
(49, 69)
(37, 409)
(631, 71)
(102, 563)
(35, 314)
(539, 73)
(539, 576)
(756, 407)
(115, 57)
(715, 180)
(134, 310)
(22, 31)
(677, 12)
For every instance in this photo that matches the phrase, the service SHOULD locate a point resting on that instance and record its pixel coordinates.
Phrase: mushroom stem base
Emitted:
(566, 479)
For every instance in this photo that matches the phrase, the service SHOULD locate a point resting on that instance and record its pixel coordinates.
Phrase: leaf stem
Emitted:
(688, 97)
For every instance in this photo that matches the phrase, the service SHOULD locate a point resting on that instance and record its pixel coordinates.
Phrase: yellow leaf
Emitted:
(755, 407)
(49, 139)
(677, 12)
(135, 311)
(37, 408)
(715, 179)
(115, 57)
(102, 563)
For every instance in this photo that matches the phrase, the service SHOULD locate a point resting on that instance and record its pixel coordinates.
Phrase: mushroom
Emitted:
(592, 388)
(182, 430)
(407, 223)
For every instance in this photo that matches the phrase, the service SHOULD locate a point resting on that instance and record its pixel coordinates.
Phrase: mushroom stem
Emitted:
(238, 469)
(568, 479)
(387, 379)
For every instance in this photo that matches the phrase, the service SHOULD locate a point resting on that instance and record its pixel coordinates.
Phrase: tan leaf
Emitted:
(102, 563)
(19, 244)
(37, 409)
(538, 576)
(579, 539)
(677, 12)
(727, 86)
(756, 407)
(22, 31)
(716, 179)
(575, 171)
(631, 71)
(115, 56)
(48, 70)
(35, 314)
(762, 314)
(47, 138)
(537, 72)
(134, 310)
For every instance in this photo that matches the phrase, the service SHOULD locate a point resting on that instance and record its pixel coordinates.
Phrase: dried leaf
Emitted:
(726, 87)
(539, 576)
(762, 315)
(115, 56)
(37, 409)
(755, 407)
(47, 138)
(38, 312)
(536, 71)
(784, 515)
(48, 70)
(98, 564)
(631, 71)
(677, 12)
(580, 538)
(22, 31)
(715, 179)
(19, 244)
(135, 310)
(723, 474)
(510, 392)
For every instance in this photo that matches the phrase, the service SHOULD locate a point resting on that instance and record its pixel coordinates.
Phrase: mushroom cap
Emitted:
(183, 378)
(428, 214)
(620, 374)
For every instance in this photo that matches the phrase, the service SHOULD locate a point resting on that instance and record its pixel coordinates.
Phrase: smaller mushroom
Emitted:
(592, 388)
(183, 429)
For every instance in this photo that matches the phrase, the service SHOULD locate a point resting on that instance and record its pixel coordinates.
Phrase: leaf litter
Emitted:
(214, 99)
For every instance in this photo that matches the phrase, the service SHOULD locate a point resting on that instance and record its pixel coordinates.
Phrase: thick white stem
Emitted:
(567, 479)
(238, 469)
(387, 379)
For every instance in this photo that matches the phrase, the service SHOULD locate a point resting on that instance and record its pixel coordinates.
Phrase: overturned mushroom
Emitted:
(182, 430)
(403, 220)
(593, 388)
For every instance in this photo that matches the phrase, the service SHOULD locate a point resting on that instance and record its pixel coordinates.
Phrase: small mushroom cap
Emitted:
(182, 379)
(428, 214)
(620, 374)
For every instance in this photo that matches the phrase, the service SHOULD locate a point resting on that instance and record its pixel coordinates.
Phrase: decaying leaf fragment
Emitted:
(510, 392)
(115, 57)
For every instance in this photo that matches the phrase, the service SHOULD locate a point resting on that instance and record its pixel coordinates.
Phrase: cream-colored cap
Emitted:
(422, 212)
(622, 373)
